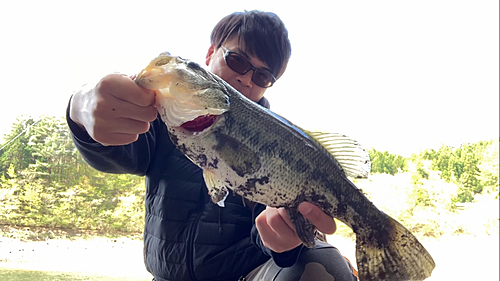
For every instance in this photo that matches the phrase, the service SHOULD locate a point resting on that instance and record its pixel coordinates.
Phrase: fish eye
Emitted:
(163, 60)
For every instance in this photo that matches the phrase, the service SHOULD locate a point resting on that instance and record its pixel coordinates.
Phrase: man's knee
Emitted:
(315, 271)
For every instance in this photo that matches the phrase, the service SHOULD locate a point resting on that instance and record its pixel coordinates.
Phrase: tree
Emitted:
(45, 182)
(17, 153)
(489, 167)
(441, 162)
(384, 162)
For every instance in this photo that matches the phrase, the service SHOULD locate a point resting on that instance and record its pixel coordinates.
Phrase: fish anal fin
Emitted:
(304, 228)
(217, 192)
(352, 157)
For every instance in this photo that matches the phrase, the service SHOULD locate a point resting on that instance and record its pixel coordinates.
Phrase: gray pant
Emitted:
(324, 263)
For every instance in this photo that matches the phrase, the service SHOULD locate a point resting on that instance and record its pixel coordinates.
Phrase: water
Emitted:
(62, 259)
(30, 275)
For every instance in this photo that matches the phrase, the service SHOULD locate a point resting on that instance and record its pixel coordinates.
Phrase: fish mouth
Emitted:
(200, 123)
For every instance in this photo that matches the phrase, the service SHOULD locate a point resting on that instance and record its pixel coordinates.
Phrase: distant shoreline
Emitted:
(122, 257)
(40, 233)
(117, 257)
(90, 252)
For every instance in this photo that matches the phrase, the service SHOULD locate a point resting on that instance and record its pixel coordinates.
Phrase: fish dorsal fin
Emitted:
(353, 158)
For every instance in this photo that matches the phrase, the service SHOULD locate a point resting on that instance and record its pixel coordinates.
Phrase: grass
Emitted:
(29, 275)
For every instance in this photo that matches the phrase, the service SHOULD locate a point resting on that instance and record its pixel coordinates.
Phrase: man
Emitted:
(114, 125)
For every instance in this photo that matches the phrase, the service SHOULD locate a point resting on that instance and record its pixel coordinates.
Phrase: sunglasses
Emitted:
(241, 65)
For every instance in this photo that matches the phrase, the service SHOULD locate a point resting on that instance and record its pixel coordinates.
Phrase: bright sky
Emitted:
(400, 76)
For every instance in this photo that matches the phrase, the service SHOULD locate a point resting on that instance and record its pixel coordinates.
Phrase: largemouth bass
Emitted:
(260, 156)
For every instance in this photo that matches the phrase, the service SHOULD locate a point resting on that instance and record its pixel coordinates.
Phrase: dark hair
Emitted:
(263, 34)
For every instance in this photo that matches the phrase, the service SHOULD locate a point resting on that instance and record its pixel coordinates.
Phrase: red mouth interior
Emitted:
(200, 123)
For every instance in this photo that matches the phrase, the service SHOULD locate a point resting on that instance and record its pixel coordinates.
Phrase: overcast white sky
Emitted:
(400, 76)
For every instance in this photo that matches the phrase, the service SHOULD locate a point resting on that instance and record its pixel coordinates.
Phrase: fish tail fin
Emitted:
(392, 254)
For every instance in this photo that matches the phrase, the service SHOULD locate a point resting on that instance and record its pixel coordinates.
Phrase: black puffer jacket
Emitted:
(186, 237)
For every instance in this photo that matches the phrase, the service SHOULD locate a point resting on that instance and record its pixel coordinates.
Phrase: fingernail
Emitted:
(305, 209)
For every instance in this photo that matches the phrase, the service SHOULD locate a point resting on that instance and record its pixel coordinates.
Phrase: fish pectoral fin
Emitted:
(304, 228)
(217, 192)
(352, 157)
(241, 158)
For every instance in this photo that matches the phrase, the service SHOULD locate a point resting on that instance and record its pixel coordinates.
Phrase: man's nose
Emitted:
(246, 79)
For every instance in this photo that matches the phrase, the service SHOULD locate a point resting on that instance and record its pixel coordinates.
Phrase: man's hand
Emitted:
(278, 232)
(115, 111)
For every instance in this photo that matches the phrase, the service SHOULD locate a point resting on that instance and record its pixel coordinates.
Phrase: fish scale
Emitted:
(266, 159)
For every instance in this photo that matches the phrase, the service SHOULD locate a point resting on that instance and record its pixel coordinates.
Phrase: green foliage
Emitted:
(45, 182)
(386, 163)
(489, 168)
(18, 153)
(428, 191)
(472, 167)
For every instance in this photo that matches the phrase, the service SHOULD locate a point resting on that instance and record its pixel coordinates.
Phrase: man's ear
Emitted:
(210, 53)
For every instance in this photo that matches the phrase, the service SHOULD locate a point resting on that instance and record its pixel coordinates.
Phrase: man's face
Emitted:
(241, 82)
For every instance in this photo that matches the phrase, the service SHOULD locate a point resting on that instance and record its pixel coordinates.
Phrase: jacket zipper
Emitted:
(191, 234)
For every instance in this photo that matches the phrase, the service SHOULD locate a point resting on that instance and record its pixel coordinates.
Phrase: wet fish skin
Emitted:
(266, 159)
